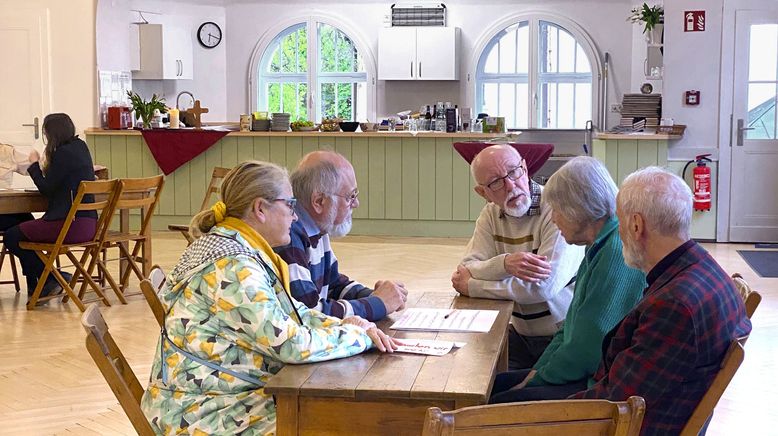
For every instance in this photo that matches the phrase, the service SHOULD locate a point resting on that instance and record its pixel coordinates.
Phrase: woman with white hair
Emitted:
(582, 197)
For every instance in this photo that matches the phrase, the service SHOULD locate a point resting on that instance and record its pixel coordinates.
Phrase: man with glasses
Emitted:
(517, 253)
(326, 190)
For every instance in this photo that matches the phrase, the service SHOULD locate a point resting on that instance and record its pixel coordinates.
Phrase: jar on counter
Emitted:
(245, 123)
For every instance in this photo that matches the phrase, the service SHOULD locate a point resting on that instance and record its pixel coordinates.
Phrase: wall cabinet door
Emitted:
(165, 53)
(397, 53)
(437, 54)
(418, 53)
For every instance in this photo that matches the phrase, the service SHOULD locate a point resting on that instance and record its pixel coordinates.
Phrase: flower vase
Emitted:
(655, 36)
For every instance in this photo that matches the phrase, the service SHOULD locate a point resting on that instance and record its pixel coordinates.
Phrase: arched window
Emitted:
(536, 74)
(328, 81)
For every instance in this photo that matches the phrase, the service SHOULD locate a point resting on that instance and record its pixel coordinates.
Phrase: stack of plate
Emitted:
(280, 122)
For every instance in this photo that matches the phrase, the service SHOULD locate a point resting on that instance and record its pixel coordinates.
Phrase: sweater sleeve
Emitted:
(52, 181)
(481, 256)
(564, 259)
(611, 291)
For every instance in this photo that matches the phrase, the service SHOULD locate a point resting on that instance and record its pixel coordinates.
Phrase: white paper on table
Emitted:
(449, 320)
(427, 346)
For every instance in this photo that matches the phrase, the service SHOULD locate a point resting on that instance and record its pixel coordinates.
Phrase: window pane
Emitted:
(490, 98)
(581, 61)
(337, 52)
(566, 52)
(290, 55)
(761, 110)
(508, 52)
(583, 105)
(293, 100)
(492, 61)
(273, 97)
(522, 106)
(565, 106)
(523, 49)
(507, 104)
(763, 53)
(548, 105)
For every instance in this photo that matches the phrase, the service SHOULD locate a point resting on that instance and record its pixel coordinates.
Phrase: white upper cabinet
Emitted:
(418, 53)
(165, 52)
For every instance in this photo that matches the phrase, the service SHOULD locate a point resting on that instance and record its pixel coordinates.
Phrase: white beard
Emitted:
(633, 256)
(520, 209)
(340, 230)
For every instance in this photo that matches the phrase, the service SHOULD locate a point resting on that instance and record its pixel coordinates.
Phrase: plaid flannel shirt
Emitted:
(669, 348)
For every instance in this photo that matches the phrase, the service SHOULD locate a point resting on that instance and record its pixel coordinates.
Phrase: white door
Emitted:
(24, 78)
(397, 53)
(436, 53)
(754, 204)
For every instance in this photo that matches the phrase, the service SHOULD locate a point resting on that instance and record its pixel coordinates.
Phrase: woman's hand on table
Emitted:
(382, 341)
(358, 321)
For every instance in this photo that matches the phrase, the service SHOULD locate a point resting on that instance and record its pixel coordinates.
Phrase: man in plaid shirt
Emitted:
(669, 348)
(326, 189)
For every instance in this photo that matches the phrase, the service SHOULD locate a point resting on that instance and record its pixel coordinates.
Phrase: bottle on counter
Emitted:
(428, 119)
(440, 117)
(451, 120)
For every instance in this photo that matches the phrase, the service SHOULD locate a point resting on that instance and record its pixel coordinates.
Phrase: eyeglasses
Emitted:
(514, 174)
(351, 198)
(291, 202)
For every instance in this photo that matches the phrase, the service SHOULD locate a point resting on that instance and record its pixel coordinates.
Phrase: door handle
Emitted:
(740, 130)
(35, 124)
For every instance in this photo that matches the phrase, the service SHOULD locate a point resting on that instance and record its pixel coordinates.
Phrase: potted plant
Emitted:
(652, 17)
(144, 110)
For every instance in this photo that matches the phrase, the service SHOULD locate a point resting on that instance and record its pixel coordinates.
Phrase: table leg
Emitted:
(502, 361)
(287, 407)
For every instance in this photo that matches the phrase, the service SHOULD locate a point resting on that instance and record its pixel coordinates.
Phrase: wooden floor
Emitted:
(49, 384)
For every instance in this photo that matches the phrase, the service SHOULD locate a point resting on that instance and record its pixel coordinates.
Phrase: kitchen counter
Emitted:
(382, 134)
(637, 136)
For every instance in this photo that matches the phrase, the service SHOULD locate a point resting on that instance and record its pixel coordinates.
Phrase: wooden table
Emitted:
(375, 393)
(21, 201)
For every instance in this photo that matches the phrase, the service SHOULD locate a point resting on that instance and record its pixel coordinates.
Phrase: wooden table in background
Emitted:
(21, 201)
(377, 393)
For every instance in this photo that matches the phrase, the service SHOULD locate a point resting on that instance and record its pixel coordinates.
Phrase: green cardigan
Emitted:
(605, 290)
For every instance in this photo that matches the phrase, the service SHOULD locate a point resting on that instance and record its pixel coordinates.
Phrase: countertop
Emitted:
(638, 136)
(382, 134)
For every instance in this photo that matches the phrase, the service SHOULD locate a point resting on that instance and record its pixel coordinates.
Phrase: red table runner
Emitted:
(534, 154)
(172, 148)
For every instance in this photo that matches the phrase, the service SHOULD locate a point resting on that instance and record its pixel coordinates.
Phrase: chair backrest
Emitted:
(105, 194)
(150, 288)
(141, 193)
(114, 367)
(751, 298)
(213, 187)
(579, 417)
(730, 364)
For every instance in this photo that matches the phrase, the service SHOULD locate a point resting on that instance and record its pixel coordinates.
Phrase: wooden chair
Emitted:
(751, 298)
(579, 417)
(105, 193)
(140, 194)
(12, 260)
(150, 288)
(704, 410)
(213, 188)
(115, 369)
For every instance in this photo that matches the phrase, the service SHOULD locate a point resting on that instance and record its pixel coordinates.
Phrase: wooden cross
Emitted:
(195, 113)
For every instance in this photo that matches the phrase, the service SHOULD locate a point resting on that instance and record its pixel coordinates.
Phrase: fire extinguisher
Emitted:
(701, 177)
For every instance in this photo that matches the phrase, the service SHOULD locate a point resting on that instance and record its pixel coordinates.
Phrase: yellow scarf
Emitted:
(258, 243)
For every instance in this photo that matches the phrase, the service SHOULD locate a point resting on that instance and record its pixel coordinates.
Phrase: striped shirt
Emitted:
(314, 276)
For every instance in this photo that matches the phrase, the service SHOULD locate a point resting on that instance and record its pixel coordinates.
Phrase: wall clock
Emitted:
(209, 34)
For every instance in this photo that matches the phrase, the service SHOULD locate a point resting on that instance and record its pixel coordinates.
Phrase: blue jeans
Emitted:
(502, 393)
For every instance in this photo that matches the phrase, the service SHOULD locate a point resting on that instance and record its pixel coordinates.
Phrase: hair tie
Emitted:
(219, 211)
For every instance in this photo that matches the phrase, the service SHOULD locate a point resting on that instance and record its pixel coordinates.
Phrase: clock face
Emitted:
(209, 34)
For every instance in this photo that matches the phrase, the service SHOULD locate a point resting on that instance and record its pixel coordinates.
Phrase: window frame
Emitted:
(312, 76)
(490, 38)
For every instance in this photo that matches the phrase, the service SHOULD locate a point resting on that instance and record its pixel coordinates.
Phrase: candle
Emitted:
(173, 118)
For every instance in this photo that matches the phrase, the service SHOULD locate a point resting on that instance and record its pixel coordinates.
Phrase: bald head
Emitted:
(318, 158)
(486, 163)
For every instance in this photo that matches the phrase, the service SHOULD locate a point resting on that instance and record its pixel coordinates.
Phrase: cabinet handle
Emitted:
(411, 69)
(180, 67)
(419, 70)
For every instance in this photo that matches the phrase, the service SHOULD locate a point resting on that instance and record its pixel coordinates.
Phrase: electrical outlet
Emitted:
(616, 108)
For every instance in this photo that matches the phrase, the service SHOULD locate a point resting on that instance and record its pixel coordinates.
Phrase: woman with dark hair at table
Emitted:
(66, 164)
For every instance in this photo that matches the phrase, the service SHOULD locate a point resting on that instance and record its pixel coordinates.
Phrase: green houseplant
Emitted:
(144, 110)
(650, 16)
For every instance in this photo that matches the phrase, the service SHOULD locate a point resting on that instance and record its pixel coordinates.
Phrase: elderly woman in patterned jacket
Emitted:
(230, 322)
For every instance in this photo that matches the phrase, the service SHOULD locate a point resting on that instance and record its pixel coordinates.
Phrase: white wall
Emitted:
(209, 84)
(605, 21)
(693, 62)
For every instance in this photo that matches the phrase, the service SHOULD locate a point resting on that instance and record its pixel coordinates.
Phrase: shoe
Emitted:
(52, 286)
